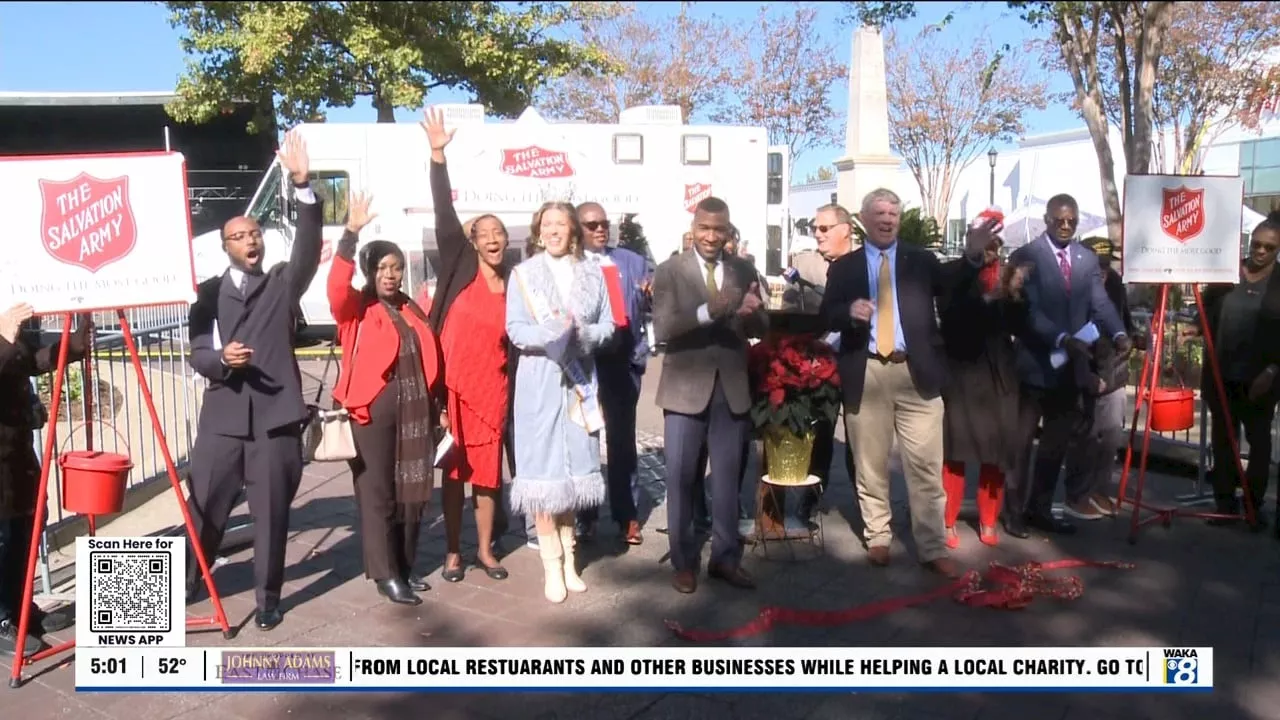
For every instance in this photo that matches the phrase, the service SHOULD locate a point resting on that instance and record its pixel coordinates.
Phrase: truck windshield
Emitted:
(265, 206)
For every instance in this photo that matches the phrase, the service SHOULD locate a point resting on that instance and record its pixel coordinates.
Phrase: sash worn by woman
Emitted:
(558, 315)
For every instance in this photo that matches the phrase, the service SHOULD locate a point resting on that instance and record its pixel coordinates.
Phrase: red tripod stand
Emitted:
(42, 498)
(1148, 381)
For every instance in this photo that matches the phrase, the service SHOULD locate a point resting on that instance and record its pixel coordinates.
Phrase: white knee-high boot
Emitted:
(569, 541)
(552, 567)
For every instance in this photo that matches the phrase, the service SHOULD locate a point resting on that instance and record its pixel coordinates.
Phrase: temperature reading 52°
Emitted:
(170, 666)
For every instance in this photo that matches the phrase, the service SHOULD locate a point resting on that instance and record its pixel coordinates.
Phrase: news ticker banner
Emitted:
(646, 669)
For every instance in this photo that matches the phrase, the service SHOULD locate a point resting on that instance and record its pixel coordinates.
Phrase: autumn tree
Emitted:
(949, 101)
(822, 174)
(295, 59)
(1219, 58)
(783, 76)
(1080, 34)
(656, 60)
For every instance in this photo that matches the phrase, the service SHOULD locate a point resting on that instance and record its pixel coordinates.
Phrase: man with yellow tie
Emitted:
(880, 298)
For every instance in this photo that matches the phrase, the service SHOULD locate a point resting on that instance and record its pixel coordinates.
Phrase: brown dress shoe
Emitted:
(733, 575)
(633, 533)
(878, 555)
(945, 567)
(685, 582)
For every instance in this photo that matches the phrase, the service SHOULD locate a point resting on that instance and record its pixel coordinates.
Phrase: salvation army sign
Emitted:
(94, 232)
(1182, 229)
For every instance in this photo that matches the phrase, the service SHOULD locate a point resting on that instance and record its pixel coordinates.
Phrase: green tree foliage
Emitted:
(295, 59)
(631, 237)
(916, 228)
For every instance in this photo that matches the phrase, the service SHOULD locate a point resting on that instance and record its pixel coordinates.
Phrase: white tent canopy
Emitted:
(1027, 223)
(1250, 219)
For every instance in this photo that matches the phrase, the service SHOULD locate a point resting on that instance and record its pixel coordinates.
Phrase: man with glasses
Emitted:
(1065, 292)
(620, 367)
(242, 327)
(833, 229)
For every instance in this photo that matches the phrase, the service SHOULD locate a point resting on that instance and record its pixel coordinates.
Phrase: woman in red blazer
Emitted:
(387, 381)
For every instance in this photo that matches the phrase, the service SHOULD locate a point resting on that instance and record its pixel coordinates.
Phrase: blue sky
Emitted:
(117, 46)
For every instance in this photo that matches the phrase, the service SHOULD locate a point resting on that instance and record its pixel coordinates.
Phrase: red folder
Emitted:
(613, 281)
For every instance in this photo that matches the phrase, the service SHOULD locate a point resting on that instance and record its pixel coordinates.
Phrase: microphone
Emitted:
(792, 276)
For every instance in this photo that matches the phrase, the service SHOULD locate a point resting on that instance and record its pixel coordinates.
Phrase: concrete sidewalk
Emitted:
(1192, 585)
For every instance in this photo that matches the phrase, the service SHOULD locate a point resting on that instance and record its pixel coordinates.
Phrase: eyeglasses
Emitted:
(237, 237)
(828, 228)
(594, 225)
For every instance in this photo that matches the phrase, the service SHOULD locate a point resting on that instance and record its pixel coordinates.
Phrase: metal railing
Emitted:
(106, 385)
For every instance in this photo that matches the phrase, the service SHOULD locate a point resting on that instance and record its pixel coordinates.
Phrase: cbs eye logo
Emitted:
(1181, 671)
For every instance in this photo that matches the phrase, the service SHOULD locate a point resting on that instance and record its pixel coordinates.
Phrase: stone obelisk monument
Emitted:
(868, 163)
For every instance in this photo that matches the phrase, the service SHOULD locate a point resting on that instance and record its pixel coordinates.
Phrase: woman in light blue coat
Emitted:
(558, 314)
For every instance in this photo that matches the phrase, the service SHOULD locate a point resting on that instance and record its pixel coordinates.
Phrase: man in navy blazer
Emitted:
(620, 368)
(1064, 292)
(881, 299)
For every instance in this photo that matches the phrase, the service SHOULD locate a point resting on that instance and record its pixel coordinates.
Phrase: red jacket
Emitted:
(376, 351)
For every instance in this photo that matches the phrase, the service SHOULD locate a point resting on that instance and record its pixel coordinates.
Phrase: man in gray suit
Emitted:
(1064, 292)
(706, 303)
(249, 437)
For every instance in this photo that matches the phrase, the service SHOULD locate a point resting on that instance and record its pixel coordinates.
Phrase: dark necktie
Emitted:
(1065, 266)
(244, 283)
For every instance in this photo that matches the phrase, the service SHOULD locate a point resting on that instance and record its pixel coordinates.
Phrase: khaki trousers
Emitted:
(891, 406)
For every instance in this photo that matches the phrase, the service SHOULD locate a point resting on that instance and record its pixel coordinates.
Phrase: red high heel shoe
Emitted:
(988, 536)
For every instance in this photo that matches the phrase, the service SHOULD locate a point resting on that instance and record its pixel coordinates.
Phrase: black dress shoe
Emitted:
(1015, 527)
(268, 619)
(418, 583)
(1050, 524)
(397, 591)
(735, 576)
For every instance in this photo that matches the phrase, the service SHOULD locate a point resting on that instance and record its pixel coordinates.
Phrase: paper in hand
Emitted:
(1088, 335)
(443, 446)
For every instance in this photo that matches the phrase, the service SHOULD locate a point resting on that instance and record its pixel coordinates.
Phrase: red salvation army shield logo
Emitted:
(536, 162)
(694, 194)
(1182, 213)
(86, 221)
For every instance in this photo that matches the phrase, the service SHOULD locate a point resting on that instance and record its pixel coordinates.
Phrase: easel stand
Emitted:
(1148, 381)
(42, 498)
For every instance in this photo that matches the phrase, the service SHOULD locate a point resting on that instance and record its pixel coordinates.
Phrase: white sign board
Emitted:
(1182, 229)
(96, 232)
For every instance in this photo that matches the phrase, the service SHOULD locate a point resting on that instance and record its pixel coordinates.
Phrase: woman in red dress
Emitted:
(468, 312)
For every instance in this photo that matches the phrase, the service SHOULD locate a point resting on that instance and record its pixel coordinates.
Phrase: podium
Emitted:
(770, 503)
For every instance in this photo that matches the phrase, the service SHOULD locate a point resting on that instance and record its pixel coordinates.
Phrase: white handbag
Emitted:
(327, 436)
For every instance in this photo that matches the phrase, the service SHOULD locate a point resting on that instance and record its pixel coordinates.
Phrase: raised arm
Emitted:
(17, 359)
(304, 256)
(450, 239)
(1102, 311)
(344, 300)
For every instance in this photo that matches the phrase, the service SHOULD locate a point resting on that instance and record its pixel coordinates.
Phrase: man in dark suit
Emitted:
(1064, 292)
(892, 369)
(620, 368)
(249, 436)
(706, 303)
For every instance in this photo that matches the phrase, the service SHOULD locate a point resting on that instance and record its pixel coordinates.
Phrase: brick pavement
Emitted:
(1193, 585)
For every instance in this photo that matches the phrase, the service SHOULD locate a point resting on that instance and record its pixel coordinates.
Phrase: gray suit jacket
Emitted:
(696, 354)
(1053, 311)
(267, 394)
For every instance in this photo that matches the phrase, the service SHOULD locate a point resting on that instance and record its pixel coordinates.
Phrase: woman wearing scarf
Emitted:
(468, 313)
(978, 320)
(390, 367)
(558, 315)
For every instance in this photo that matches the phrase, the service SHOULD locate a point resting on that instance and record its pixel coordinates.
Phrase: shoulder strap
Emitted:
(333, 350)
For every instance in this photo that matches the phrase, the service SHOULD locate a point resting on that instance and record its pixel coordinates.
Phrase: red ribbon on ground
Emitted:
(1002, 586)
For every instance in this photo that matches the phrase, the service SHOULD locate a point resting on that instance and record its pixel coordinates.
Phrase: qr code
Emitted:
(130, 591)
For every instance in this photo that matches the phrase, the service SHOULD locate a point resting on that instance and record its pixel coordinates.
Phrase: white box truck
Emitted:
(650, 165)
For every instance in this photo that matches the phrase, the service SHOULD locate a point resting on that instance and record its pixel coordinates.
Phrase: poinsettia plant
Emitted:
(794, 383)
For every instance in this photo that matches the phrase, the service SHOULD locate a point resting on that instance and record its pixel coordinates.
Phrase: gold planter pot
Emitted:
(787, 455)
